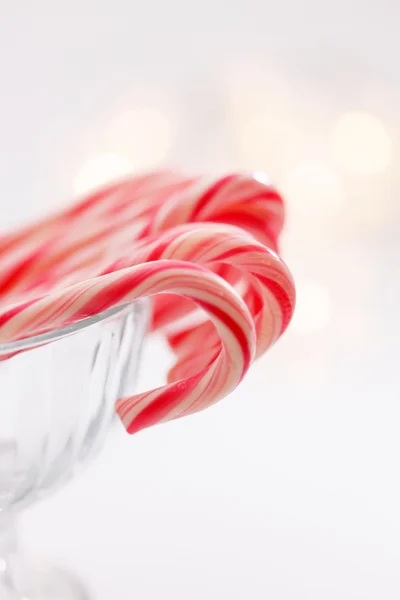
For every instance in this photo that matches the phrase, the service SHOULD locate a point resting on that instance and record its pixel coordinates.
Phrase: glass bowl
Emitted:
(57, 402)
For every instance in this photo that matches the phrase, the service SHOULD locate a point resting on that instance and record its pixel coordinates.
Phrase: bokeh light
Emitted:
(313, 191)
(313, 308)
(259, 112)
(144, 134)
(100, 170)
(361, 144)
(134, 140)
(265, 138)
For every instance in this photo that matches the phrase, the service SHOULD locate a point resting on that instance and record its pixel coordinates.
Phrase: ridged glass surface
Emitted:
(57, 402)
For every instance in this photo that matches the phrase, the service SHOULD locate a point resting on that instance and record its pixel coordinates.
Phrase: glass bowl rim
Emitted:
(50, 336)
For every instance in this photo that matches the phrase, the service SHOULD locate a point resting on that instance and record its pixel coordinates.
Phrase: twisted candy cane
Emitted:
(229, 314)
(269, 293)
(78, 242)
(133, 209)
(77, 271)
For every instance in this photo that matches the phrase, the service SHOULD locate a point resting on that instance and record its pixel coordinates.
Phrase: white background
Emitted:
(290, 488)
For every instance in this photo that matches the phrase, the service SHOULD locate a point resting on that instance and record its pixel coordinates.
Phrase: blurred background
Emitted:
(290, 488)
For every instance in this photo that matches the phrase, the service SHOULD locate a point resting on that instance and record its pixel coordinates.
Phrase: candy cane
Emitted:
(130, 240)
(137, 207)
(226, 310)
(76, 240)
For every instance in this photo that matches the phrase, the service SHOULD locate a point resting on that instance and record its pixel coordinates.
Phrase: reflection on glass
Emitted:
(57, 402)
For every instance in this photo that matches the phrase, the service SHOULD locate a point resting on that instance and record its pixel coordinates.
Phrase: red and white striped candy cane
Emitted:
(133, 209)
(130, 240)
(198, 389)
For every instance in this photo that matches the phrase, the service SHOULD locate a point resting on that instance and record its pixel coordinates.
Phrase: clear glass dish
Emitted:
(56, 406)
